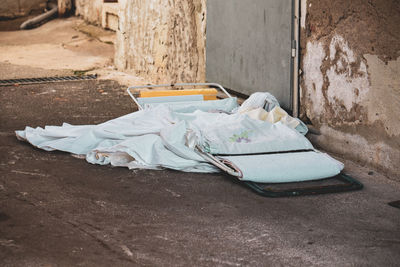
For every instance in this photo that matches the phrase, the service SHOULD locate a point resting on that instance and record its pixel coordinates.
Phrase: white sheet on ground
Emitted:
(165, 136)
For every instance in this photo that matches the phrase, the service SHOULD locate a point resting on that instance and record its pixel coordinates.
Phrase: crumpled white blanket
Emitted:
(165, 136)
(262, 100)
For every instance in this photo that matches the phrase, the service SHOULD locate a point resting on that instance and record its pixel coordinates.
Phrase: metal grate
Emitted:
(47, 80)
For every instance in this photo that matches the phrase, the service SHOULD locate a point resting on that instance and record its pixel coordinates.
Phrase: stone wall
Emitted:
(350, 87)
(162, 41)
(18, 8)
(89, 10)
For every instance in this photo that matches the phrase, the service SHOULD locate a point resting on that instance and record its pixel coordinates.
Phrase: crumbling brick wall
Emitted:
(350, 87)
(162, 41)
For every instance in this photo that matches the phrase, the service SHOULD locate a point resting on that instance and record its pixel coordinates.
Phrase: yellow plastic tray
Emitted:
(208, 94)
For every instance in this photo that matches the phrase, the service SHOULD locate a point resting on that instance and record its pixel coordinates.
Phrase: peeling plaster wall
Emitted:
(18, 8)
(162, 41)
(90, 10)
(350, 87)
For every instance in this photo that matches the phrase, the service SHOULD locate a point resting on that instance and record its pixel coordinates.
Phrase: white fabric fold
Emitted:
(165, 136)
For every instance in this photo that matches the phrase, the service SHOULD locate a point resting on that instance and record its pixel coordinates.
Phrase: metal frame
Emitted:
(218, 163)
(295, 57)
(135, 95)
(349, 184)
(25, 81)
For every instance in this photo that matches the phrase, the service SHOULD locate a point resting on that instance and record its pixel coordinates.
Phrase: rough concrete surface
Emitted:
(59, 210)
(350, 88)
(58, 47)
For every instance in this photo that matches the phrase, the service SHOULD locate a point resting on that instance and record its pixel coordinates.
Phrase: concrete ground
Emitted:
(57, 210)
(60, 210)
(58, 48)
(53, 49)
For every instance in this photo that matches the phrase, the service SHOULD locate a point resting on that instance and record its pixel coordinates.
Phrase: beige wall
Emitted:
(350, 87)
(90, 10)
(163, 40)
(19, 8)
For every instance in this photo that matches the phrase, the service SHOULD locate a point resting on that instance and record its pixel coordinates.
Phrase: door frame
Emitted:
(295, 88)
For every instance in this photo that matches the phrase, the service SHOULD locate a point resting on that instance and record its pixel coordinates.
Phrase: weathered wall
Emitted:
(90, 10)
(350, 87)
(64, 7)
(162, 41)
(19, 8)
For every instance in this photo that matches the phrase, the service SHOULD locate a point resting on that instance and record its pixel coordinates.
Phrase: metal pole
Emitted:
(295, 54)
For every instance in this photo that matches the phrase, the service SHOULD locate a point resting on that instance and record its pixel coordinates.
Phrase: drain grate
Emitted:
(395, 204)
(47, 80)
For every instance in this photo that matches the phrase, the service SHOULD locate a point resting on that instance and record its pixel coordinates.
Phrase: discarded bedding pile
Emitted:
(167, 136)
